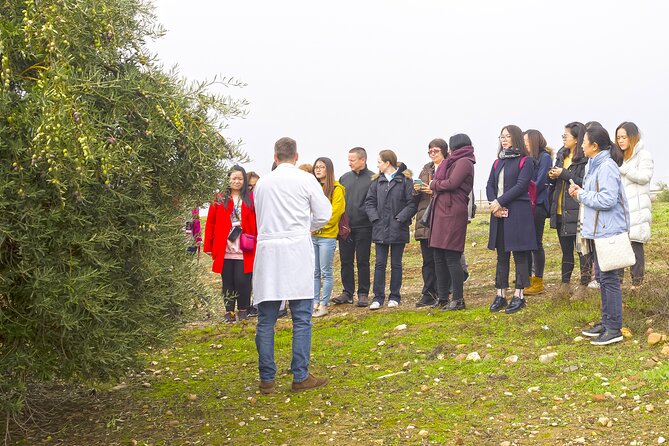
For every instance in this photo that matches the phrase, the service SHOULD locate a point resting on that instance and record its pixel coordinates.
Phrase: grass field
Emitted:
(392, 386)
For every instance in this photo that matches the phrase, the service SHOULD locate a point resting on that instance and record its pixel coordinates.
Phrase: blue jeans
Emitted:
(324, 249)
(268, 311)
(612, 296)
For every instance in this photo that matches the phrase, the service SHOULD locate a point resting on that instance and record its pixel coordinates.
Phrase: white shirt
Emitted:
(289, 204)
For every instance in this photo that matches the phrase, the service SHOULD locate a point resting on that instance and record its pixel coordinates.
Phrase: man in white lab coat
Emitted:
(290, 204)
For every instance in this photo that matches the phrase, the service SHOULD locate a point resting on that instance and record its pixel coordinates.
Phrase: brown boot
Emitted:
(310, 383)
(536, 286)
(580, 293)
(363, 300)
(267, 387)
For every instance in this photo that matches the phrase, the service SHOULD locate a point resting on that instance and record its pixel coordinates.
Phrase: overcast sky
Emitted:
(396, 74)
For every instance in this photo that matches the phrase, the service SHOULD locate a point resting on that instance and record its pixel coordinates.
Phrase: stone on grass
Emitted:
(578, 338)
(460, 357)
(548, 357)
(665, 351)
(654, 338)
(423, 433)
(401, 327)
(511, 359)
(605, 422)
(661, 440)
(626, 332)
(474, 356)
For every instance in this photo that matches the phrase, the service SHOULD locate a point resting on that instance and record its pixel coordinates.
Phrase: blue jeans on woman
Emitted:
(268, 311)
(324, 249)
(612, 296)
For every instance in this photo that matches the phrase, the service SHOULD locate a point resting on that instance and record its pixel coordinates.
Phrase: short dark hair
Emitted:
(458, 141)
(598, 135)
(362, 153)
(591, 123)
(285, 149)
(388, 155)
(251, 174)
(440, 144)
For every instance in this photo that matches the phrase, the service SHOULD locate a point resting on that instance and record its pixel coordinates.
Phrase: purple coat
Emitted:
(519, 233)
(453, 181)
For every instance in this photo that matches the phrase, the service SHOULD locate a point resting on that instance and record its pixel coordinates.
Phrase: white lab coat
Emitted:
(290, 204)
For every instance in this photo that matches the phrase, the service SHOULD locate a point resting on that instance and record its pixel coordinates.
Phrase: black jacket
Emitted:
(570, 206)
(357, 185)
(390, 206)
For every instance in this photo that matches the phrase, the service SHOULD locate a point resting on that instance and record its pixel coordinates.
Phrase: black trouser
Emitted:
(357, 247)
(396, 253)
(429, 279)
(236, 285)
(638, 270)
(504, 263)
(448, 268)
(568, 243)
(537, 260)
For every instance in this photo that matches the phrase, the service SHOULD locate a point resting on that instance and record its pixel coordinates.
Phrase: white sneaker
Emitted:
(316, 307)
(322, 311)
(593, 284)
(393, 304)
(375, 306)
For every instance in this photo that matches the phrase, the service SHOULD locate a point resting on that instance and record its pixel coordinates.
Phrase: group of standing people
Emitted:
(292, 219)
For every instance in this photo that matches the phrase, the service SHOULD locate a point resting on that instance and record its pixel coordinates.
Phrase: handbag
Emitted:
(344, 228)
(614, 252)
(426, 219)
(247, 242)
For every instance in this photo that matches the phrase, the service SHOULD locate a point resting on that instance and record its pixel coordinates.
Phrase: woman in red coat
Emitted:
(452, 183)
(231, 219)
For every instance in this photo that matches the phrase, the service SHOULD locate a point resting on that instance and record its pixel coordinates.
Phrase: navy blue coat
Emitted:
(390, 206)
(519, 233)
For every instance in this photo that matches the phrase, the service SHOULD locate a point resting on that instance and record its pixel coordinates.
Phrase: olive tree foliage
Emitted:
(102, 151)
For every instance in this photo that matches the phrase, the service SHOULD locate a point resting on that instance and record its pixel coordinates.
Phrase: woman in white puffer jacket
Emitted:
(636, 172)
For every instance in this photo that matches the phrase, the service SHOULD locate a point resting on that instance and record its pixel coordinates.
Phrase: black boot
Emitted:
(441, 304)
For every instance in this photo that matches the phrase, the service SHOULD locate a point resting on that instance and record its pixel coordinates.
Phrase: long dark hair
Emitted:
(577, 130)
(537, 143)
(517, 142)
(328, 184)
(599, 135)
(244, 193)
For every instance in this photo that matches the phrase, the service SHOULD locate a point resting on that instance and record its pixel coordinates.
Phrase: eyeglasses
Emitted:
(505, 137)
(319, 167)
(434, 150)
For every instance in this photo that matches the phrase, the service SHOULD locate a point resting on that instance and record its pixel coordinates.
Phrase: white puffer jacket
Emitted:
(636, 173)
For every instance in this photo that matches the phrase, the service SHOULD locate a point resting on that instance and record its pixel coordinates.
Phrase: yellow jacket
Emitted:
(331, 229)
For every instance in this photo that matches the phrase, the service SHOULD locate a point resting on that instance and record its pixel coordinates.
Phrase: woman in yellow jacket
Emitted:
(325, 239)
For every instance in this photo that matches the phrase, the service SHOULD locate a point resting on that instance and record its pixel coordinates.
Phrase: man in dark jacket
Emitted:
(359, 243)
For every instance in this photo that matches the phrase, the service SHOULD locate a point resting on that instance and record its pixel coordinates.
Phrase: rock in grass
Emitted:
(423, 433)
(665, 351)
(626, 332)
(511, 359)
(460, 357)
(401, 327)
(474, 356)
(604, 421)
(654, 338)
(661, 440)
(548, 357)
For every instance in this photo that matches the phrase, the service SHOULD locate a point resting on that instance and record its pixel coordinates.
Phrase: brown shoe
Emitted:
(310, 383)
(267, 387)
(363, 300)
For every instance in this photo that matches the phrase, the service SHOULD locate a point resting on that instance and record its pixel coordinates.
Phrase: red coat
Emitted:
(452, 183)
(217, 229)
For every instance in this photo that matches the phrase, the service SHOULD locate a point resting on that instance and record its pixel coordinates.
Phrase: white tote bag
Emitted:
(614, 252)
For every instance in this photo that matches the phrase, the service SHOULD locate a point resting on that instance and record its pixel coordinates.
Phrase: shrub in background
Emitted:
(102, 152)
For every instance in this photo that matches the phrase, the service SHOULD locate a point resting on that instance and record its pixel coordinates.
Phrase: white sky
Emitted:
(396, 74)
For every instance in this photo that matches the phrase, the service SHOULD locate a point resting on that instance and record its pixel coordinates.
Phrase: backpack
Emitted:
(531, 188)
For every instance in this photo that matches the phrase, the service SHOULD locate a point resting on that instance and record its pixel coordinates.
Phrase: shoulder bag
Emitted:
(614, 252)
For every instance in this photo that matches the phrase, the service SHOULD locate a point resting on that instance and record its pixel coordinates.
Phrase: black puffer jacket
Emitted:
(390, 206)
(570, 206)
